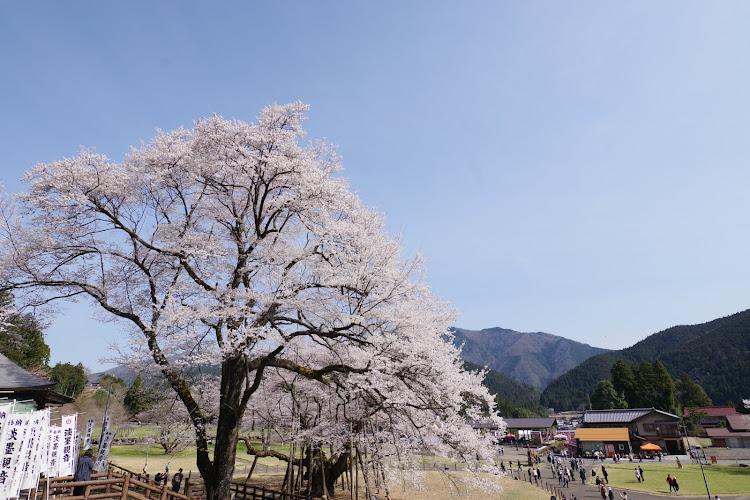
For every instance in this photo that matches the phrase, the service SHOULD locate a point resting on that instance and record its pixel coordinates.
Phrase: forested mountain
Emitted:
(714, 354)
(532, 357)
(514, 399)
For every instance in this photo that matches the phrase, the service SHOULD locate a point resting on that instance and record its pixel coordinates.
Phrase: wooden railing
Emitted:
(250, 492)
(110, 485)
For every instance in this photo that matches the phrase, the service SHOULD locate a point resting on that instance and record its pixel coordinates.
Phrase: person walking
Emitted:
(637, 475)
(83, 471)
(605, 474)
(669, 481)
(643, 478)
(603, 492)
(610, 493)
(675, 485)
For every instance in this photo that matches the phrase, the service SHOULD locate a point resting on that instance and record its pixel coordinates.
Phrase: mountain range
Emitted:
(535, 358)
(715, 354)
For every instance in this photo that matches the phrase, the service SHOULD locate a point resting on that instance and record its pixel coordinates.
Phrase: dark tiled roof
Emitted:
(530, 423)
(14, 377)
(620, 416)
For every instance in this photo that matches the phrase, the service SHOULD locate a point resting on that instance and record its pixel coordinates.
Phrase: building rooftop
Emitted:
(711, 411)
(725, 433)
(620, 415)
(739, 422)
(530, 423)
(13, 377)
(605, 434)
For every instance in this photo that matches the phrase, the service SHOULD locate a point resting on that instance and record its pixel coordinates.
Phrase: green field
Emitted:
(722, 479)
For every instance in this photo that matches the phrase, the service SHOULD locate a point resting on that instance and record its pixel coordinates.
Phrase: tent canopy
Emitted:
(651, 447)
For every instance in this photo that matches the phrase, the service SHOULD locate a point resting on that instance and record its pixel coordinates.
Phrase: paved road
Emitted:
(590, 491)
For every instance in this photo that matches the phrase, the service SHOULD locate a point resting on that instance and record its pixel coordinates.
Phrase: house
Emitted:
(735, 435)
(643, 425)
(16, 383)
(532, 430)
(710, 416)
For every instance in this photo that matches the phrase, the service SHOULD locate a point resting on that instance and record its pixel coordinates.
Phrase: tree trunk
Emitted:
(333, 471)
(217, 474)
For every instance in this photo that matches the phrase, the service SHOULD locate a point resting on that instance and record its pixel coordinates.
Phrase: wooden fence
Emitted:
(250, 492)
(126, 484)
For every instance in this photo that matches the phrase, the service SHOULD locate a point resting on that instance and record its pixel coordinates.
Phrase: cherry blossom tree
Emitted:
(234, 244)
(378, 418)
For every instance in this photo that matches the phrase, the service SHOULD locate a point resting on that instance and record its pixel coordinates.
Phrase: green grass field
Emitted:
(722, 479)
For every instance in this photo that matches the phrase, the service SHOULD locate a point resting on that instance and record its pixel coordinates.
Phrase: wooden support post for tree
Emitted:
(252, 468)
(323, 474)
(356, 474)
(309, 469)
(351, 463)
(363, 466)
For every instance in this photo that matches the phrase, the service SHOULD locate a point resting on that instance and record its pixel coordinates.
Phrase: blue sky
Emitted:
(578, 168)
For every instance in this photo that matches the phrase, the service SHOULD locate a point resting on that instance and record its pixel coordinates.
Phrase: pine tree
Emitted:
(690, 394)
(623, 382)
(605, 397)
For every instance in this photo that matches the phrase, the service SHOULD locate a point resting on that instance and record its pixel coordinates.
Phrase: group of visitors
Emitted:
(86, 466)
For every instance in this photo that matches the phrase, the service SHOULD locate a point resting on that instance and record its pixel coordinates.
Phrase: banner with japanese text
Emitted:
(89, 434)
(67, 456)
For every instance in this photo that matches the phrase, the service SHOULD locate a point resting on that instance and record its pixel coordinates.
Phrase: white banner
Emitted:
(6, 414)
(16, 442)
(66, 456)
(29, 446)
(89, 434)
(54, 448)
(38, 431)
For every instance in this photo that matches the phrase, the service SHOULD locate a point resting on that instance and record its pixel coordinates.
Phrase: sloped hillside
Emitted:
(534, 358)
(716, 354)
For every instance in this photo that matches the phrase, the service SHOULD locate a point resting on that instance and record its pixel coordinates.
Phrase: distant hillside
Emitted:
(715, 354)
(514, 399)
(510, 390)
(122, 372)
(533, 358)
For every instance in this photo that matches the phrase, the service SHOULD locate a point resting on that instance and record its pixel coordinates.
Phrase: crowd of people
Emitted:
(568, 470)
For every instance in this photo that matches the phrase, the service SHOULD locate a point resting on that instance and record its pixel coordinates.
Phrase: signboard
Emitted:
(89, 434)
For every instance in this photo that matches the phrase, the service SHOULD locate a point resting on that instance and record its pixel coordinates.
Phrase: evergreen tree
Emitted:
(690, 394)
(70, 379)
(605, 397)
(643, 388)
(664, 389)
(138, 399)
(22, 340)
(623, 382)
